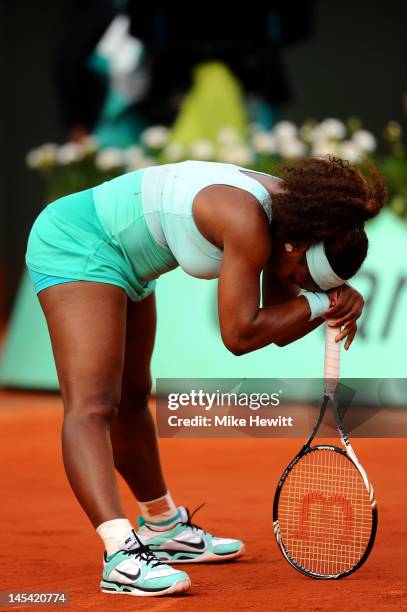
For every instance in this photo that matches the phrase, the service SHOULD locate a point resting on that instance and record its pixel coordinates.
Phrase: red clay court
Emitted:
(48, 543)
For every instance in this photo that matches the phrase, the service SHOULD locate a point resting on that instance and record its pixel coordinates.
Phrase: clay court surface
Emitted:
(47, 543)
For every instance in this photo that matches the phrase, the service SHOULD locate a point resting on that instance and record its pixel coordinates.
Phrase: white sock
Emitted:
(113, 533)
(162, 509)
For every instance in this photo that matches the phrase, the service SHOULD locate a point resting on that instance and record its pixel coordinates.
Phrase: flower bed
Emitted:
(75, 166)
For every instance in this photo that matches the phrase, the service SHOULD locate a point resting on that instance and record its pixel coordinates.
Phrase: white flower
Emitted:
(134, 163)
(141, 162)
(228, 136)
(109, 158)
(155, 137)
(239, 155)
(45, 155)
(292, 148)
(315, 134)
(284, 130)
(264, 142)
(132, 154)
(174, 152)
(350, 151)
(305, 131)
(90, 144)
(202, 149)
(70, 152)
(364, 140)
(33, 158)
(332, 128)
(49, 151)
(325, 147)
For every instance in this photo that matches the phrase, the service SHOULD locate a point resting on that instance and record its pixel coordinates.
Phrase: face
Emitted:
(291, 267)
(302, 277)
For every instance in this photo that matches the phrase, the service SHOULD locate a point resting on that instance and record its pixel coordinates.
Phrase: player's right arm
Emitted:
(244, 325)
(274, 292)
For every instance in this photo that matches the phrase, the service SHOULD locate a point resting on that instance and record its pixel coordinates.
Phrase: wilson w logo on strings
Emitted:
(322, 516)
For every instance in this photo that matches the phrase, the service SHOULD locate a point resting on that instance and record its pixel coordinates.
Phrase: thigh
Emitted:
(87, 325)
(140, 336)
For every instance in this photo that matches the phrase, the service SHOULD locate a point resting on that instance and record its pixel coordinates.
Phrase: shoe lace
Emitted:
(144, 553)
(194, 526)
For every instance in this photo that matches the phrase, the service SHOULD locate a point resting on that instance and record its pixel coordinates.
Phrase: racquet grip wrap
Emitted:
(332, 360)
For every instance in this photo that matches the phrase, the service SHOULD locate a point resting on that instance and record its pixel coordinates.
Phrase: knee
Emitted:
(101, 407)
(135, 400)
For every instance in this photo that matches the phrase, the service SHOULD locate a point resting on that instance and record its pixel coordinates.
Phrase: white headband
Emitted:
(320, 268)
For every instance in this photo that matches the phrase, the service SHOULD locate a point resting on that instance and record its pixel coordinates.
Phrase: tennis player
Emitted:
(94, 257)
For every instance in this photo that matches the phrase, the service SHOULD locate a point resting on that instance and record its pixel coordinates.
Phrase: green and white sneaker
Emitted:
(180, 541)
(135, 570)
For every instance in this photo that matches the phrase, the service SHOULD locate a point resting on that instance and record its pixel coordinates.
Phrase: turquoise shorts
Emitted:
(42, 281)
(68, 242)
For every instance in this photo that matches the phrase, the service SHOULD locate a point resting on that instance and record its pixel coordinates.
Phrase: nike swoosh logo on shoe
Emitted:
(197, 545)
(129, 576)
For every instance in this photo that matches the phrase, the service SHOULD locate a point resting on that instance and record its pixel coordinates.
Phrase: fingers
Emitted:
(348, 309)
(349, 332)
(333, 296)
(341, 307)
(351, 316)
(351, 336)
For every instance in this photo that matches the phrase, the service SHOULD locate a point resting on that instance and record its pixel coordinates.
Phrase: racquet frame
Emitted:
(331, 378)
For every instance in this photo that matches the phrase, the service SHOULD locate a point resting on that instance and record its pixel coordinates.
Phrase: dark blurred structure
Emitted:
(249, 43)
(81, 90)
(352, 65)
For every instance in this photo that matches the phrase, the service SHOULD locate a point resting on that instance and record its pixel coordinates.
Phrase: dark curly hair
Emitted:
(347, 252)
(329, 200)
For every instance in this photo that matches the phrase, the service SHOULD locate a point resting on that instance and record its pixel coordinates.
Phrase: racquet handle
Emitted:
(332, 359)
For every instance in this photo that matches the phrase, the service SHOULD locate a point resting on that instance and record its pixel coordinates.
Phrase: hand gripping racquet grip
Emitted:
(332, 358)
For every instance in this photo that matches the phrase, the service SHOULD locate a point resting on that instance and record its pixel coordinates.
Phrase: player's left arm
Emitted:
(346, 307)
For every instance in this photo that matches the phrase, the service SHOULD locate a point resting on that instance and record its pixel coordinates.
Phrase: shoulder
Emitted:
(240, 222)
(232, 206)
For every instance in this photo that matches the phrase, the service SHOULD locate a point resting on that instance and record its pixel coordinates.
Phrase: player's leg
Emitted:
(87, 324)
(133, 433)
(136, 455)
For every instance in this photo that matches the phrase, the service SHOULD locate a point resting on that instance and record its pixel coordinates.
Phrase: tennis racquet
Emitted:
(325, 511)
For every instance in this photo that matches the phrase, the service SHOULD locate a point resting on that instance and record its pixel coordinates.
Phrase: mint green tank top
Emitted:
(167, 195)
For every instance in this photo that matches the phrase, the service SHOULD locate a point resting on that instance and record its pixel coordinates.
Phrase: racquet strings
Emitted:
(324, 513)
